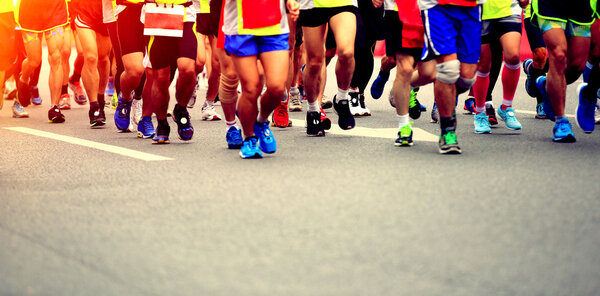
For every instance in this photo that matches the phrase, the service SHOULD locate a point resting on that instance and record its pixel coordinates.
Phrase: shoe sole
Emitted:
(161, 142)
(141, 136)
(577, 113)
(453, 150)
(255, 156)
(327, 105)
(404, 144)
(56, 120)
(567, 139)
(483, 132)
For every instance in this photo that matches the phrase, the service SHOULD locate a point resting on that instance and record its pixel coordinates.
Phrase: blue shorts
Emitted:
(249, 45)
(452, 29)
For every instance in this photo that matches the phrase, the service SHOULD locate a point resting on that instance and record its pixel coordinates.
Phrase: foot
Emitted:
(540, 82)
(405, 136)
(266, 140)
(145, 128)
(363, 106)
(508, 116)
(377, 87)
(122, 114)
(355, 104)
(78, 93)
(414, 107)
(491, 113)
(65, 102)
(54, 115)
(586, 109)
(35, 96)
(185, 130)
(345, 118)
(482, 123)
(314, 125)
(209, 113)
(562, 131)
(295, 101)
(162, 134)
(448, 143)
(250, 148)
(280, 116)
(234, 138)
(539, 111)
(469, 106)
(18, 110)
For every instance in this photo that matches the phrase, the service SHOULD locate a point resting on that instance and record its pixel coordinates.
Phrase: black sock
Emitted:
(447, 124)
(179, 109)
(64, 89)
(101, 99)
(94, 105)
(162, 122)
(384, 74)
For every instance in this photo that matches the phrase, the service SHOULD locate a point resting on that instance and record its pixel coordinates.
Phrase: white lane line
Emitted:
(533, 113)
(90, 144)
(419, 135)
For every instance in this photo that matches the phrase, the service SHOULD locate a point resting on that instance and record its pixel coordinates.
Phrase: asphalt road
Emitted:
(347, 214)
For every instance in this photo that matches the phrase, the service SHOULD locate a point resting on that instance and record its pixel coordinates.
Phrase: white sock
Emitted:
(285, 97)
(479, 110)
(341, 95)
(231, 123)
(294, 89)
(402, 120)
(507, 103)
(314, 107)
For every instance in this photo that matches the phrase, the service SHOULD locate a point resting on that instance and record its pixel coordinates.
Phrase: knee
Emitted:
(512, 59)
(315, 64)
(251, 89)
(345, 55)
(135, 70)
(448, 72)
(558, 57)
(404, 70)
(276, 90)
(90, 59)
(187, 73)
(54, 58)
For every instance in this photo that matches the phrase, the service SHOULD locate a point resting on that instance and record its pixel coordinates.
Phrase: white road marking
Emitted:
(419, 135)
(533, 113)
(90, 144)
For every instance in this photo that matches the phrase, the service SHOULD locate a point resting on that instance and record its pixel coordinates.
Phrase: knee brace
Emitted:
(448, 72)
(228, 89)
(464, 84)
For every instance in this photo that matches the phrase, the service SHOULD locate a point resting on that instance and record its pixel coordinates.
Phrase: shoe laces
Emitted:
(147, 125)
(281, 110)
(450, 138)
(412, 102)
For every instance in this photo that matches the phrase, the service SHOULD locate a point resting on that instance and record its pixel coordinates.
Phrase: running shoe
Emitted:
(192, 101)
(266, 140)
(530, 86)
(469, 105)
(391, 99)
(435, 115)
(405, 136)
(135, 114)
(78, 93)
(65, 102)
(54, 115)
(597, 114)
(250, 148)
(95, 119)
(508, 116)
(345, 118)
(361, 101)
(114, 101)
(110, 87)
(325, 120)
(314, 125)
(540, 82)
(10, 90)
(234, 138)
(482, 123)
(585, 110)
(209, 113)
(35, 96)
(18, 110)
(377, 87)
(491, 113)
(162, 134)
(295, 101)
(122, 114)
(145, 128)
(355, 104)
(280, 116)
(23, 93)
(326, 102)
(562, 131)
(448, 143)
(414, 107)
(181, 116)
(539, 111)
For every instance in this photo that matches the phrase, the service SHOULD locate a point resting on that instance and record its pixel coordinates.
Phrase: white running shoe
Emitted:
(295, 101)
(209, 113)
(192, 101)
(135, 114)
(355, 108)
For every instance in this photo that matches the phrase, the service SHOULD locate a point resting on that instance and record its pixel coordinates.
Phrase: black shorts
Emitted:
(131, 30)
(208, 23)
(89, 16)
(534, 35)
(394, 39)
(164, 51)
(315, 17)
(372, 20)
(494, 29)
(330, 40)
(7, 35)
(579, 11)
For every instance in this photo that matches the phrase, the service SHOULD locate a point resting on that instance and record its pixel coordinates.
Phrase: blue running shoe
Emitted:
(266, 141)
(378, 86)
(541, 86)
(539, 111)
(508, 115)
(585, 110)
(162, 134)
(482, 123)
(35, 96)
(145, 128)
(234, 138)
(435, 115)
(529, 83)
(469, 105)
(250, 148)
(184, 126)
(122, 114)
(562, 131)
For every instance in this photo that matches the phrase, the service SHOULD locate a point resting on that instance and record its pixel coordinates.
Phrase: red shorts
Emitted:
(89, 16)
(42, 15)
(7, 35)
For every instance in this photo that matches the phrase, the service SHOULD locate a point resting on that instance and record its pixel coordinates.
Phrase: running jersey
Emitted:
(203, 6)
(190, 11)
(308, 4)
(109, 11)
(495, 9)
(233, 23)
(426, 4)
(6, 6)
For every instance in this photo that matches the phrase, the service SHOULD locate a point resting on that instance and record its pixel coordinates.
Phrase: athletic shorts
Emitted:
(249, 45)
(72, 14)
(41, 16)
(131, 30)
(315, 17)
(372, 21)
(208, 23)
(574, 17)
(164, 51)
(534, 35)
(7, 35)
(32, 36)
(330, 40)
(397, 40)
(494, 29)
(89, 16)
(452, 29)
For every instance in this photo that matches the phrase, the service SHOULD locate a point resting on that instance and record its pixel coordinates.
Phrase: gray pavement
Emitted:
(515, 214)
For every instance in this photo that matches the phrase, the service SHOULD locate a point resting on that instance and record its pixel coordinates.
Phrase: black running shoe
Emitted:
(184, 126)
(491, 113)
(345, 118)
(314, 126)
(448, 143)
(162, 134)
(54, 115)
(414, 107)
(95, 118)
(102, 116)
